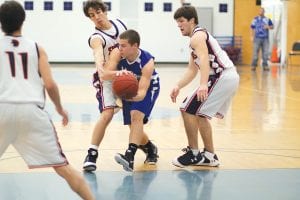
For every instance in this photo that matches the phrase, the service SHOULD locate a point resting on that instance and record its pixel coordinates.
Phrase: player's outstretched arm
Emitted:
(198, 42)
(110, 69)
(50, 84)
(96, 44)
(187, 77)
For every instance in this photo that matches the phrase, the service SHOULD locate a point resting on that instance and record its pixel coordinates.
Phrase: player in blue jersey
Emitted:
(260, 27)
(136, 111)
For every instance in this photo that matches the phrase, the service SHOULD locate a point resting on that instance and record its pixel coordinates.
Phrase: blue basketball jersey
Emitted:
(137, 66)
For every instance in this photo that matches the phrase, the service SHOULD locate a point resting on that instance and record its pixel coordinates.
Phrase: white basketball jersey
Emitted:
(218, 58)
(109, 37)
(20, 81)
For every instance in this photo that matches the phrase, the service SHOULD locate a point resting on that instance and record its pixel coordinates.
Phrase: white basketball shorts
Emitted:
(104, 95)
(220, 93)
(29, 129)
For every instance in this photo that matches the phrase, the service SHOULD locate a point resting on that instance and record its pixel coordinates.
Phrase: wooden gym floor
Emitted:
(258, 144)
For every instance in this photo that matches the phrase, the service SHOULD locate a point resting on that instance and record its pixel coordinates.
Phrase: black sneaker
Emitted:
(89, 164)
(125, 160)
(151, 153)
(187, 159)
(209, 159)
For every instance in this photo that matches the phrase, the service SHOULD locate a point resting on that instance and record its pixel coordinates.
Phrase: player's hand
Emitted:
(174, 93)
(123, 72)
(64, 114)
(202, 93)
(138, 97)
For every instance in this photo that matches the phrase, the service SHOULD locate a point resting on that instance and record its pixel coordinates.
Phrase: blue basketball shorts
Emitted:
(145, 106)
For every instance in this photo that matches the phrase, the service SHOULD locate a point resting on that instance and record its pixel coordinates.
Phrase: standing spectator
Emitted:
(260, 27)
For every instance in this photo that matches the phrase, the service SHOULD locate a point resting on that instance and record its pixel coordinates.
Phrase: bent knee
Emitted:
(136, 116)
(107, 115)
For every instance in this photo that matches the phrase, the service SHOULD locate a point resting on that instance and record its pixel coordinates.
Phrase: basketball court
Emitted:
(258, 144)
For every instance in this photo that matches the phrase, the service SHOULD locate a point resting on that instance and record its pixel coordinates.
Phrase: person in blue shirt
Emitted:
(260, 27)
(129, 58)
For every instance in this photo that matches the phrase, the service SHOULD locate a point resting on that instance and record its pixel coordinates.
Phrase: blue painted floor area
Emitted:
(271, 184)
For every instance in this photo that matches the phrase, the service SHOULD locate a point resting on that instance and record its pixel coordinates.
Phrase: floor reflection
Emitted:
(135, 186)
(198, 184)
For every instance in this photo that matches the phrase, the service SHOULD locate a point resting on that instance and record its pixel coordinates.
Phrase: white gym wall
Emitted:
(64, 34)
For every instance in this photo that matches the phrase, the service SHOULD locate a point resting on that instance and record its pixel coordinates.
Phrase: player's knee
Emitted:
(136, 116)
(63, 171)
(107, 115)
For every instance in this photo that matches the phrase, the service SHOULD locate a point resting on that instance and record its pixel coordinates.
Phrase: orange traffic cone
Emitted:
(274, 55)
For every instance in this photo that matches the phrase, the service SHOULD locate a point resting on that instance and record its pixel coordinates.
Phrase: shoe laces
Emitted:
(93, 152)
(186, 149)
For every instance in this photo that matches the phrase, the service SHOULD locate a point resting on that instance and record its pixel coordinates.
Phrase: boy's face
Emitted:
(98, 17)
(126, 49)
(184, 25)
(261, 12)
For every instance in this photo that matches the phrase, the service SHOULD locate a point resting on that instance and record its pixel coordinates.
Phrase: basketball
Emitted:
(125, 86)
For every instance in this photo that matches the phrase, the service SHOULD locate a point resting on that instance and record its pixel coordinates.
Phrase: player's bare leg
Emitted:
(97, 137)
(137, 127)
(206, 134)
(209, 158)
(191, 129)
(145, 138)
(101, 125)
(192, 155)
(76, 181)
(137, 137)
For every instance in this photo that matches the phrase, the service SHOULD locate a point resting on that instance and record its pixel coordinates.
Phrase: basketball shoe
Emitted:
(151, 152)
(188, 158)
(89, 164)
(209, 159)
(127, 160)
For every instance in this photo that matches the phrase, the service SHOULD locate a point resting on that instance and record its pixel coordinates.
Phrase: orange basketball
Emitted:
(125, 86)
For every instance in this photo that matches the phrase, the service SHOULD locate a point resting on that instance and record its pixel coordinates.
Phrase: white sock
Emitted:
(94, 147)
(195, 151)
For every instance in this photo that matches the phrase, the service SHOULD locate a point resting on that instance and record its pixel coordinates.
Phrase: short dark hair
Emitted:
(12, 16)
(187, 12)
(132, 36)
(96, 4)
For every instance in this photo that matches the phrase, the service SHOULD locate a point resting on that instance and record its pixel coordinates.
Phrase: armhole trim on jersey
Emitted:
(103, 45)
(38, 55)
(147, 55)
(122, 24)
(37, 50)
(203, 30)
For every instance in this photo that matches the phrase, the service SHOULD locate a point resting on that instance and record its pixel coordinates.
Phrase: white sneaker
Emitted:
(209, 159)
